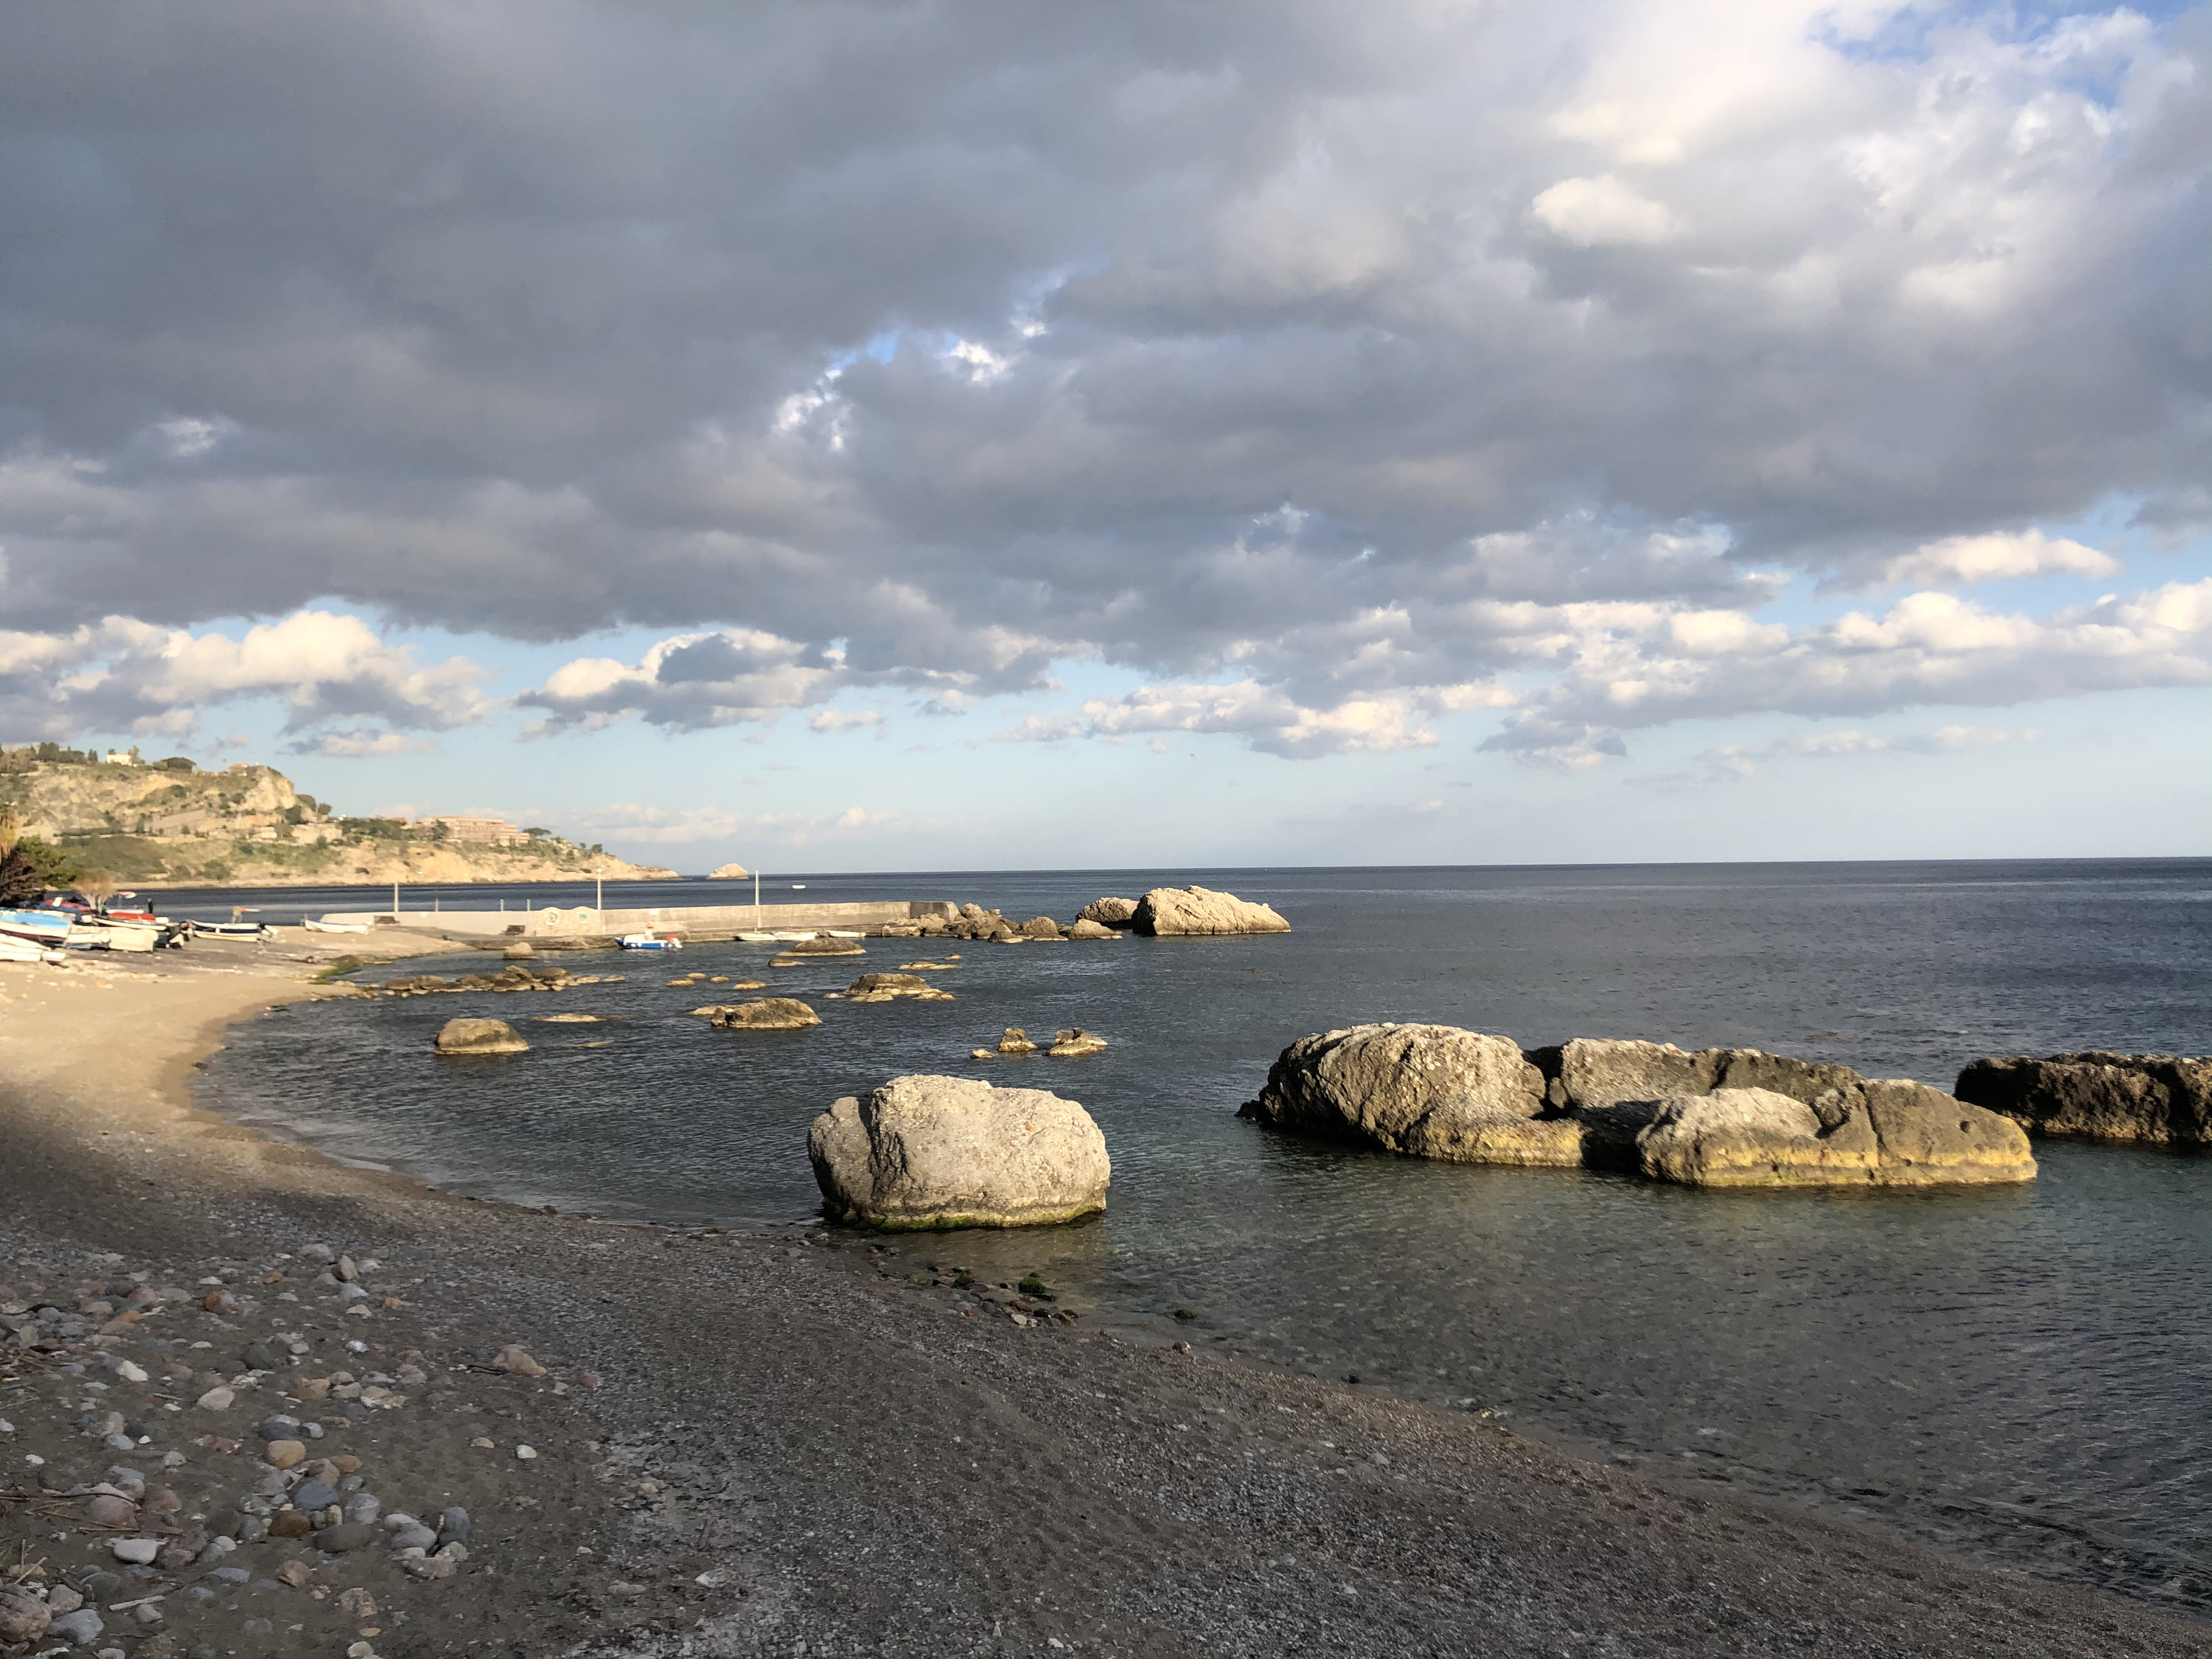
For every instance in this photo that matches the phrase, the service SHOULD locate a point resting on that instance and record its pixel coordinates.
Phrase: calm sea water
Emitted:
(2020, 1375)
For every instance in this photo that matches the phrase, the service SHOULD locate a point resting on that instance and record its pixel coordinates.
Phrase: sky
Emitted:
(882, 436)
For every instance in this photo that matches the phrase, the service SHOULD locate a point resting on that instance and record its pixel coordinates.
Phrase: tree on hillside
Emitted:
(28, 867)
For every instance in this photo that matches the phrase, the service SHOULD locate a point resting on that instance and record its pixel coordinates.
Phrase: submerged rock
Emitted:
(768, 1014)
(1179, 912)
(480, 1037)
(1425, 1090)
(948, 1151)
(889, 987)
(2157, 1100)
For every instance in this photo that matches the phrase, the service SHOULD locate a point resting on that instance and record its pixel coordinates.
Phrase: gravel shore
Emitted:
(743, 1445)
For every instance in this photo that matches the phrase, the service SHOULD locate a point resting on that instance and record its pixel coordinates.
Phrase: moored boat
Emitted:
(651, 942)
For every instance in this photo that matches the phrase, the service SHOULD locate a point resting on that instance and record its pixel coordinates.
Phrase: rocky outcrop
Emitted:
(821, 944)
(2155, 1100)
(1118, 913)
(1425, 1090)
(480, 1037)
(1040, 927)
(1016, 1042)
(729, 872)
(1075, 1044)
(1086, 929)
(890, 988)
(767, 1014)
(1187, 912)
(1882, 1133)
(948, 1151)
(1721, 1117)
(1591, 1073)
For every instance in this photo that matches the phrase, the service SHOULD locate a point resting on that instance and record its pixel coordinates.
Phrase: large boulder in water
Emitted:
(1184, 912)
(480, 1037)
(1086, 929)
(1110, 912)
(950, 1152)
(1425, 1090)
(1889, 1132)
(2158, 1100)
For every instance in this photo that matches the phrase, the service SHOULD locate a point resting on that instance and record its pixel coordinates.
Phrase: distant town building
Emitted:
(484, 832)
(122, 757)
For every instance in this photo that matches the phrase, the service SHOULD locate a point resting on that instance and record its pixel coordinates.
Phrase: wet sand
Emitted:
(794, 1447)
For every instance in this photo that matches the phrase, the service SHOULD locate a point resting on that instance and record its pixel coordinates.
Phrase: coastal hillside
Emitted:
(168, 824)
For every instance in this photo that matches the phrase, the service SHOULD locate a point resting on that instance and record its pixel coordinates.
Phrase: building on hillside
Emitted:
(122, 757)
(481, 832)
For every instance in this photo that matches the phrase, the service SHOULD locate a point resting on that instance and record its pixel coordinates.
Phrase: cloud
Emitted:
(1741, 760)
(1594, 212)
(1957, 561)
(632, 821)
(1267, 719)
(1336, 353)
(1623, 667)
(337, 681)
(841, 720)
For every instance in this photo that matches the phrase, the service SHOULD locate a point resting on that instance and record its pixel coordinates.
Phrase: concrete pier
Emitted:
(583, 924)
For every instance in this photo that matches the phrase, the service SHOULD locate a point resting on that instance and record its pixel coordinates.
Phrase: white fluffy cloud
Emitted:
(1741, 760)
(344, 690)
(1959, 561)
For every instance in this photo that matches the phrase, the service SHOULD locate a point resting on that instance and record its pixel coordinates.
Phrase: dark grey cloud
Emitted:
(1293, 345)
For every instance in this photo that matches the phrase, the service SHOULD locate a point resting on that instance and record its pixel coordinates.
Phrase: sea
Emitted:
(2020, 1375)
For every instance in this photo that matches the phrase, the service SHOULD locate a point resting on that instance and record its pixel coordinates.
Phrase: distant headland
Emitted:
(167, 823)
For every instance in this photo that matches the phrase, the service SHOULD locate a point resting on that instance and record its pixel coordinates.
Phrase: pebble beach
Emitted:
(256, 1401)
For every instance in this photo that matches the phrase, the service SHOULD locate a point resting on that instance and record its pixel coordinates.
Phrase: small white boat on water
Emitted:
(650, 942)
(846, 933)
(758, 939)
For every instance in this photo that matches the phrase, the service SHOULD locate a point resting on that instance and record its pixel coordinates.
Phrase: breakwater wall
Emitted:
(582, 923)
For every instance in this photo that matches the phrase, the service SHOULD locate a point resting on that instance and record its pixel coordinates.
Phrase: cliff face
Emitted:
(248, 827)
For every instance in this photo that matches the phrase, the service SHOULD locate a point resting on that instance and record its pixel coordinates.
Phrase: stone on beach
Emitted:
(1187, 911)
(23, 1616)
(514, 1359)
(480, 1037)
(948, 1151)
(768, 1014)
(888, 988)
(2158, 1100)
(1427, 1091)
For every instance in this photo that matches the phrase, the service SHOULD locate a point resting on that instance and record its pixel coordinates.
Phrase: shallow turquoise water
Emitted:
(2017, 1374)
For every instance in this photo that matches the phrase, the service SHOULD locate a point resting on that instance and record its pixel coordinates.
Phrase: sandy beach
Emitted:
(743, 1445)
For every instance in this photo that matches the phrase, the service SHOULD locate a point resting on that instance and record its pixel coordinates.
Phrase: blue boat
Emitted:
(48, 927)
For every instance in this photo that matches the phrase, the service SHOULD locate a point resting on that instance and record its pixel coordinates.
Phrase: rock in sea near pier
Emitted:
(480, 1037)
(950, 1152)
(768, 1014)
(1719, 1117)
(2155, 1100)
(1179, 912)
(889, 987)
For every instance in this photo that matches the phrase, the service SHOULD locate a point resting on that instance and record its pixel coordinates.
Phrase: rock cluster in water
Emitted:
(1184, 912)
(766, 1014)
(1720, 1117)
(2157, 1100)
(950, 1152)
(1165, 912)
